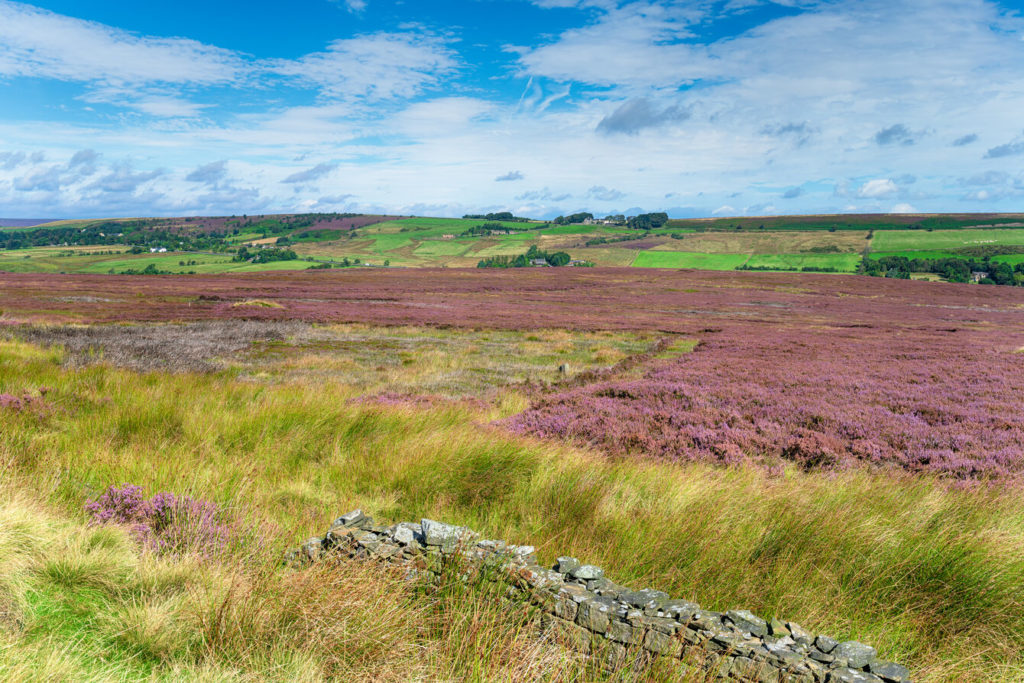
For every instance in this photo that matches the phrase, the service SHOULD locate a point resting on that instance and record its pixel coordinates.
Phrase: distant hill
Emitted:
(23, 222)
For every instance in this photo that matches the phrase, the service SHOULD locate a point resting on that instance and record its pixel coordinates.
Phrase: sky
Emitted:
(540, 107)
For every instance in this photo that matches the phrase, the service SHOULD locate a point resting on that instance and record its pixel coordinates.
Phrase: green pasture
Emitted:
(937, 240)
(442, 248)
(1012, 259)
(915, 254)
(685, 259)
(841, 262)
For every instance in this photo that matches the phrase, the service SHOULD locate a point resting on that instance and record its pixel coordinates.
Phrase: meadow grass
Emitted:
(932, 575)
(682, 259)
(937, 240)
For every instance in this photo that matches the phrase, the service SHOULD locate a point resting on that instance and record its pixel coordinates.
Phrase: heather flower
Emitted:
(165, 523)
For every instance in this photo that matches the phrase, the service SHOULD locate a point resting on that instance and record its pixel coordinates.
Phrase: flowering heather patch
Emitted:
(24, 402)
(165, 523)
(823, 399)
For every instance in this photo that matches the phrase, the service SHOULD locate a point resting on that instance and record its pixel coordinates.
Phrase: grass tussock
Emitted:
(929, 574)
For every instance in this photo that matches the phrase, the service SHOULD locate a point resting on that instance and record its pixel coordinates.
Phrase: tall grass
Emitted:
(929, 574)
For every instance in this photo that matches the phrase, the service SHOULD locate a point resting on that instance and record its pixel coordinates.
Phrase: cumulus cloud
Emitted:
(903, 208)
(209, 174)
(633, 116)
(122, 180)
(986, 178)
(883, 187)
(792, 193)
(799, 133)
(508, 177)
(965, 140)
(310, 174)
(896, 134)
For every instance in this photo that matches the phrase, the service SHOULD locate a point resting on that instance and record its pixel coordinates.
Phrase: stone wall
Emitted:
(589, 613)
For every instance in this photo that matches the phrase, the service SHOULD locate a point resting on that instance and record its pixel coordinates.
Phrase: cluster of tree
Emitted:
(265, 255)
(648, 221)
(952, 269)
(138, 233)
(151, 269)
(573, 219)
(790, 269)
(557, 258)
(499, 216)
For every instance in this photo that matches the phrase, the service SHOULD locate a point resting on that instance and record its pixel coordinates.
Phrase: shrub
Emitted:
(165, 523)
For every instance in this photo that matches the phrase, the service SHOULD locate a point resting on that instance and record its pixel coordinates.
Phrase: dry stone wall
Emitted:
(586, 611)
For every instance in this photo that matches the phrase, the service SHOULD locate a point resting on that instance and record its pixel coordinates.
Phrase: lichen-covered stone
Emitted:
(825, 644)
(441, 534)
(683, 610)
(349, 520)
(748, 621)
(566, 564)
(850, 675)
(644, 599)
(587, 572)
(594, 614)
(777, 628)
(622, 632)
(889, 672)
(858, 655)
(662, 644)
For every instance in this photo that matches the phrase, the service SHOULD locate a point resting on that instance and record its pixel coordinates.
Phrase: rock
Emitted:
(748, 621)
(821, 657)
(587, 572)
(707, 620)
(825, 644)
(622, 632)
(404, 535)
(856, 654)
(662, 644)
(683, 610)
(799, 634)
(661, 625)
(777, 628)
(312, 548)
(594, 614)
(889, 672)
(349, 520)
(441, 534)
(848, 675)
(565, 565)
(644, 599)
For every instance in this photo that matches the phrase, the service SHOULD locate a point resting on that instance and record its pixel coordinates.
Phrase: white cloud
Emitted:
(903, 208)
(38, 43)
(882, 187)
(376, 67)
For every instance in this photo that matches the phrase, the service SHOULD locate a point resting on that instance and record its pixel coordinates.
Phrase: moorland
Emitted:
(844, 451)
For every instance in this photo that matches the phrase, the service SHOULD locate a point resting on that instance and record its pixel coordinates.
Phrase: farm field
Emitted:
(885, 411)
(423, 242)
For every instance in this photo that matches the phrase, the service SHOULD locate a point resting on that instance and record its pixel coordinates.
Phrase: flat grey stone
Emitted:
(441, 534)
(889, 672)
(566, 564)
(825, 644)
(848, 675)
(683, 610)
(644, 599)
(858, 655)
(350, 519)
(595, 614)
(748, 621)
(587, 572)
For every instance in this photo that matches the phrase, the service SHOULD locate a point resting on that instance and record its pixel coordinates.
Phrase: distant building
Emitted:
(978, 275)
(447, 236)
(538, 262)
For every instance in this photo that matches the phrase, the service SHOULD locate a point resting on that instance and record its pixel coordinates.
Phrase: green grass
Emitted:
(937, 240)
(442, 248)
(915, 254)
(841, 262)
(1012, 259)
(682, 259)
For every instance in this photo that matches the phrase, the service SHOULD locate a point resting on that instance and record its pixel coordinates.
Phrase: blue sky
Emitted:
(541, 107)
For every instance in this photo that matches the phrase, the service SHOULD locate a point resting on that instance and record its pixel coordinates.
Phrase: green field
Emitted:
(922, 240)
(682, 259)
